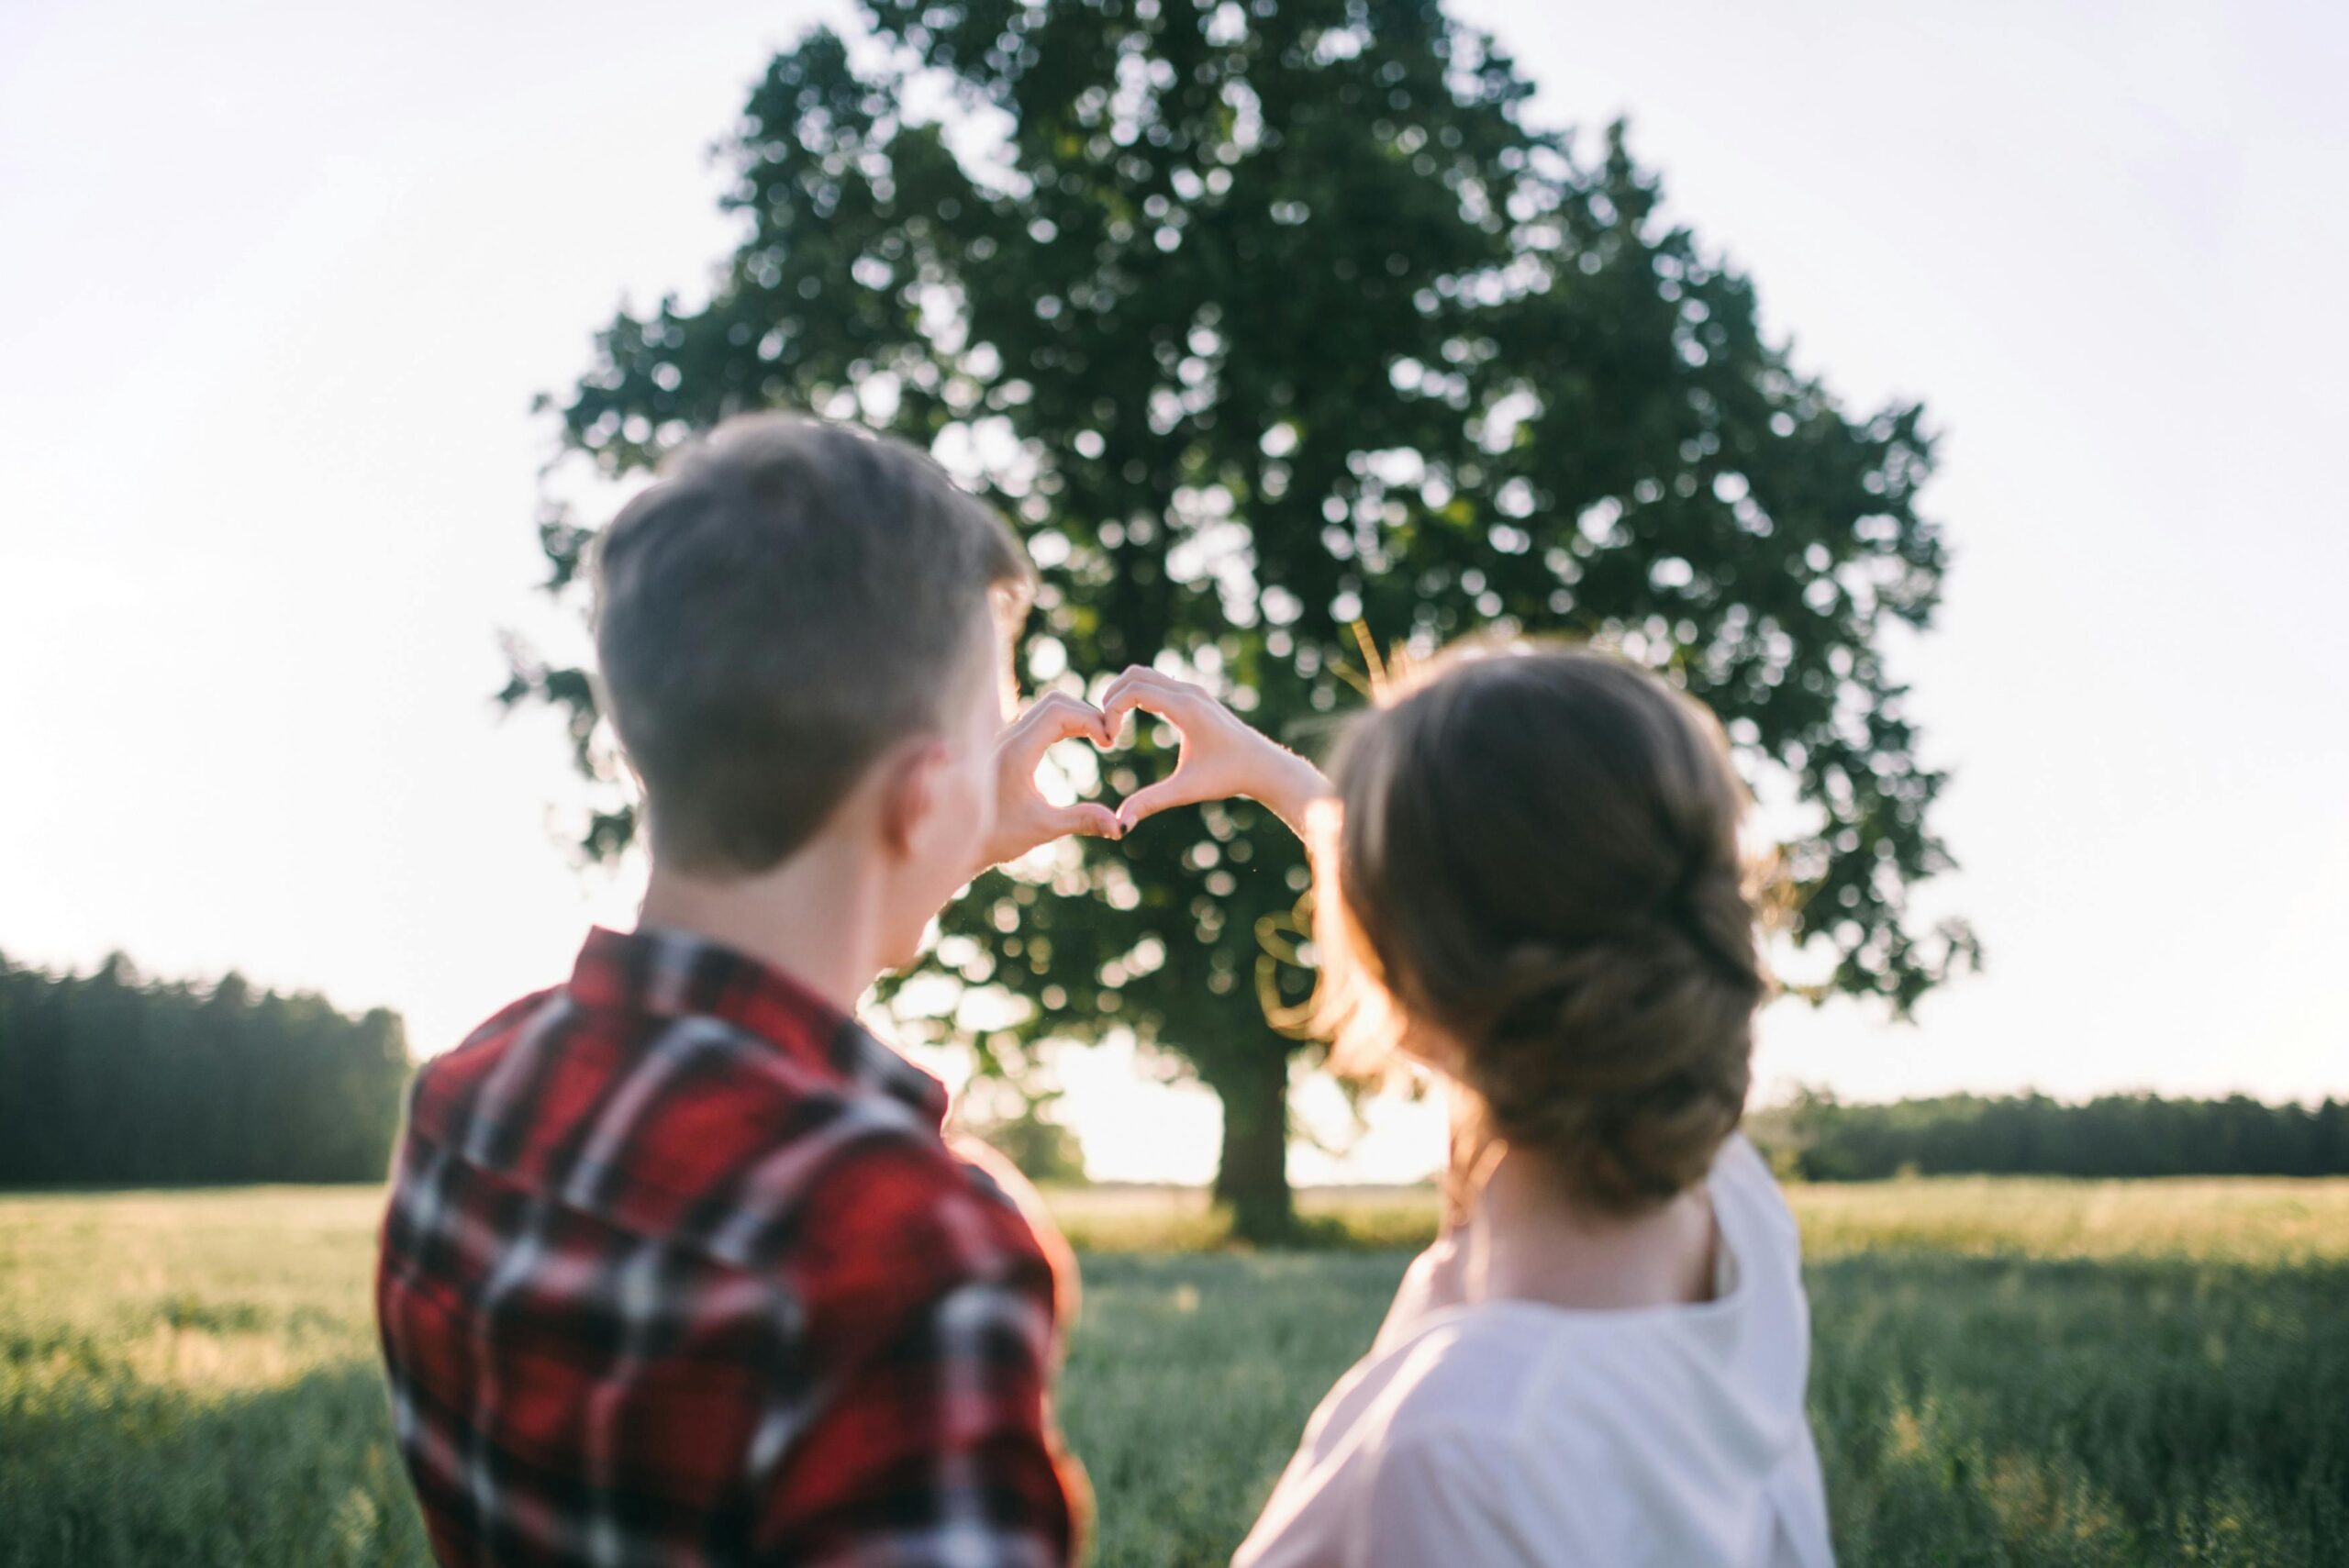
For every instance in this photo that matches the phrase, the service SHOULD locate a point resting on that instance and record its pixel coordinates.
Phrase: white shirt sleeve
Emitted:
(1427, 1497)
(1433, 1502)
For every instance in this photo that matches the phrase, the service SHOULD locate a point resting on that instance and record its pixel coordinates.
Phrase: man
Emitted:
(677, 1267)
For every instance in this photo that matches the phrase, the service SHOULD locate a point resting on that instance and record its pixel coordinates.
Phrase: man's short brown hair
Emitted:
(788, 599)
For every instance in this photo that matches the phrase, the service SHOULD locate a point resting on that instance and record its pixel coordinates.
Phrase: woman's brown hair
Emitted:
(1535, 880)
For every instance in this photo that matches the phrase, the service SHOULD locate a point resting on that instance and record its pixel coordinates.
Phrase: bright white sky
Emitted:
(279, 281)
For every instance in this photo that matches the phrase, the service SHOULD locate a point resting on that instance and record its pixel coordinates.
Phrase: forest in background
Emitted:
(112, 1078)
(1817, 1138)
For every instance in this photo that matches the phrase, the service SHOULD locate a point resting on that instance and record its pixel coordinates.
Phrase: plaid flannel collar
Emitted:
(676, 973)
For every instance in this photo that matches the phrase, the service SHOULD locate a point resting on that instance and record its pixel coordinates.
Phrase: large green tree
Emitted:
(1269, 323)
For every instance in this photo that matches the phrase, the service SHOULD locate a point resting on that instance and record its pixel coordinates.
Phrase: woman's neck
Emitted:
(1529, 1239)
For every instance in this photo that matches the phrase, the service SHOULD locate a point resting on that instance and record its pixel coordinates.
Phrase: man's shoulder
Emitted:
(445, 1082)
(908, 1221)
(696, 1132)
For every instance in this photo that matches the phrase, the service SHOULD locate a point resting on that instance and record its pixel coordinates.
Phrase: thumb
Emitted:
(1088, 817)
(1154, 798)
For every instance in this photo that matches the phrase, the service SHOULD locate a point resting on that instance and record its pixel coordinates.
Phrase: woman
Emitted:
(1529, 879)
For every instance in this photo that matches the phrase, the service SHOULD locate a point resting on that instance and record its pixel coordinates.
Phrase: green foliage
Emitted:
(1822, 1139)
(109, 1078)
(190, 1377)
(1264, 322)
(2010, 1411)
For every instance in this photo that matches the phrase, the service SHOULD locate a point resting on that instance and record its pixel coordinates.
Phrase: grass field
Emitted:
(2007, 1373)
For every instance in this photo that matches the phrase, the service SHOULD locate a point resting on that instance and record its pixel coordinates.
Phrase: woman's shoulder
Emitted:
(1747, 1204)
(1484, 1426)
(1476, 1380)
(1463, 1357)
(1412, 1459)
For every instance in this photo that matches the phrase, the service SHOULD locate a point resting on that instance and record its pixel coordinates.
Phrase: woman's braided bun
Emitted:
(1539, 886)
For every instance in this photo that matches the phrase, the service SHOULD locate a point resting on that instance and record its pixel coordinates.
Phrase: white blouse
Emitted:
(1515, 1432)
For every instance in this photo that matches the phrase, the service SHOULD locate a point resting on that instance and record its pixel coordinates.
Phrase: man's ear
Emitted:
(909, 793)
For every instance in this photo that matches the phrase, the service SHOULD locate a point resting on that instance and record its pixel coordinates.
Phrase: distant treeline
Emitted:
(109, 1078)
(1822, 1139)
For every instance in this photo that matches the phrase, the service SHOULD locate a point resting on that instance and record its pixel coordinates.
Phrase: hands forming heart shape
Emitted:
(1220, 757)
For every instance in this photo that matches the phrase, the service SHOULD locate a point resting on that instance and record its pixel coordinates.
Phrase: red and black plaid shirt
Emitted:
(678, 1270)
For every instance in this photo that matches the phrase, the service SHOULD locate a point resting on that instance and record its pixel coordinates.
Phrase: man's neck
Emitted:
(810, 917)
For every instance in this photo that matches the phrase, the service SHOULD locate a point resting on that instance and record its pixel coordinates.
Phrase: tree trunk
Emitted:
(1252, 1179)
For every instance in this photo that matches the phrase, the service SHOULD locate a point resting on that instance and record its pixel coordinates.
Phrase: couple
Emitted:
(678, 1268)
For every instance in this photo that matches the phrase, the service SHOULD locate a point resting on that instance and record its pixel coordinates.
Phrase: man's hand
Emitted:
(1024, 818)
(1220, 755)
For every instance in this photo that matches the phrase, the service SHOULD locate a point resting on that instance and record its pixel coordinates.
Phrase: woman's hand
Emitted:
(1023, 817)
(1222, 756)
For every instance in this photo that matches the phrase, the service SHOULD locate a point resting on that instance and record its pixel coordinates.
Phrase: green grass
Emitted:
(2007, 1373)
(2253, 1220)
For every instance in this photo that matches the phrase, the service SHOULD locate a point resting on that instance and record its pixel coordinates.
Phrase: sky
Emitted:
(278, 282)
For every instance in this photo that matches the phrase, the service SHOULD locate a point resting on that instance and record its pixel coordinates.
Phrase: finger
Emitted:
(1060, 714)
(1054, 717)
(1138, 677)
(1152, 693)
(1151, 799)
(1114, 696)
(1091, 817)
